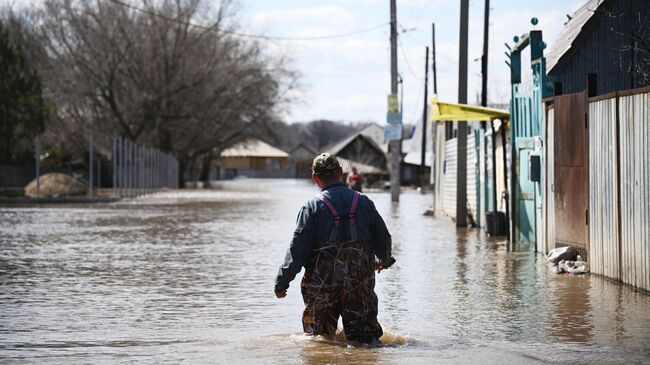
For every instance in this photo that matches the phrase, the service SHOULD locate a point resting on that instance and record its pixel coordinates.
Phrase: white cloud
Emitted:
(399, 2)
(328, 14)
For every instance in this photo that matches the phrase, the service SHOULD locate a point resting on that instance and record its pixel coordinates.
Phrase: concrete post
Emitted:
(114, 166)
(37, 158)
(90, 166)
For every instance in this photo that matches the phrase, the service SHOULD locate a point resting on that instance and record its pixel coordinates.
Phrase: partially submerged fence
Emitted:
(449, 171)
(619, 178)
(139, 170)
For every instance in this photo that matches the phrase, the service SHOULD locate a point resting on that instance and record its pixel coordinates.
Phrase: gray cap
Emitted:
(325, 164)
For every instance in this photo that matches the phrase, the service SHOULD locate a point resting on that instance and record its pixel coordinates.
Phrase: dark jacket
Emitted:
(315, 222)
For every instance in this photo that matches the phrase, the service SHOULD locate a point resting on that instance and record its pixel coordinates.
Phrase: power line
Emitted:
(440, 54)
(408, 65)
(247, 35)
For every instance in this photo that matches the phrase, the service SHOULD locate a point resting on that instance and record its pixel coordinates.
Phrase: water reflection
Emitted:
(571, 309)
(188, 277)
(318, 352)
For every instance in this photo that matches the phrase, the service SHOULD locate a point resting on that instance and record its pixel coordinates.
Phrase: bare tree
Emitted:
(149, 73)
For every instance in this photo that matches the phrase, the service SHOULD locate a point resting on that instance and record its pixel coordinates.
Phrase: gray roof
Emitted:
(341, 144)
(362, 168)
(253, 148)
(366, 132)
(571, 30)
(304, 147)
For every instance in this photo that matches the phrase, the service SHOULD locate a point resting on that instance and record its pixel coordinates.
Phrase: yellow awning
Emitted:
(455, 112)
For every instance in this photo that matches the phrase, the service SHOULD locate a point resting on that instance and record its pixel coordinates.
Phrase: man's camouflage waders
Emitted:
(340, 280)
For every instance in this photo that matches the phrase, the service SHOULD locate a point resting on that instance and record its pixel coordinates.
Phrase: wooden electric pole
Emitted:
(461, 162)
(434, 76)
(423, 176)
(395, 145)
(484, 59)
(435, 125)
(484, 102)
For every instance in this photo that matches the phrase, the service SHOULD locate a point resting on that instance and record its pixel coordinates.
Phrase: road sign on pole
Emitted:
(393, 105)
(394, 118)
(393, 132)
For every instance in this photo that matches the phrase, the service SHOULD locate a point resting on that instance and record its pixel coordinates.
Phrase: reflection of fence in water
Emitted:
(141, 170)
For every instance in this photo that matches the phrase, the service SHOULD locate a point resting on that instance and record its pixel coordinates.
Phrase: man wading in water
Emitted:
(338, 234)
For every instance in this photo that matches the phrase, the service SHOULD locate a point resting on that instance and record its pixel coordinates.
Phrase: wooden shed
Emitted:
(360, 151)
(300, 160)
(252, 158)
(607, 38)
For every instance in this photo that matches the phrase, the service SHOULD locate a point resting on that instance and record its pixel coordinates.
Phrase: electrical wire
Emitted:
(408, 65)
(416, 109)
(248, 35)
(439, 54)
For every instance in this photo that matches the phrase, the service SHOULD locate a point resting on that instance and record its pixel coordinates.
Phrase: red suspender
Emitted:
(353, 221)
(324, 199)
(353, 208)
(337, 218)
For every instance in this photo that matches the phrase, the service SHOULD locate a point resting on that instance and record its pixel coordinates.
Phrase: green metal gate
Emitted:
(526, 113)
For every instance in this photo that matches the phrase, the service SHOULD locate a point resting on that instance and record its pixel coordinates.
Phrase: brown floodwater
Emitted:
(187, 277)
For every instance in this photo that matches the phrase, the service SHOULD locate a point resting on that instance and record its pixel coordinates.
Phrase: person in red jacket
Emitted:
(355, 180)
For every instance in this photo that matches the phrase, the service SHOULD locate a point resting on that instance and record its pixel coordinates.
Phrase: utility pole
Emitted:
(435, 125)
(461, 167)
(395, 145)
(484, 59)
(484, 102)
(434, 76)
(423, 177)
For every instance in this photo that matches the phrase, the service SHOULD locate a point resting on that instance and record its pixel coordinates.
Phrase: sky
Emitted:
(348, 78)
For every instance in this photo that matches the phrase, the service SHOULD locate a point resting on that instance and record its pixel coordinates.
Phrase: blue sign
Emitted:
(394, 118)
(393, 132)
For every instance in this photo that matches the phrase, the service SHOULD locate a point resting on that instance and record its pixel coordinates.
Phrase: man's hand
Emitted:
(379, 267)
(281, 293)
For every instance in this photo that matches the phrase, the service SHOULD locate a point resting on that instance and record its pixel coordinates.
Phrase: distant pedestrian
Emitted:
(338, 234)
(355, 180)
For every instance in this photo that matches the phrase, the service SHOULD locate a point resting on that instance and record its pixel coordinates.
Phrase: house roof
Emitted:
(372, 132)
(571, 31)
(253, 148)
(303, 146)
(342, 143)
(376, 132)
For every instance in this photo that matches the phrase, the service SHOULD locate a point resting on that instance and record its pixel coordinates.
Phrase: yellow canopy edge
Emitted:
(455, 112)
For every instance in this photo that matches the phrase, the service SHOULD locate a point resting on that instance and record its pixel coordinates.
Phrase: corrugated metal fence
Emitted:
(449, 170)
(472, 166)
(139, 170)
(619, 182)
(603, 186)
(450, 175)
(634, 139)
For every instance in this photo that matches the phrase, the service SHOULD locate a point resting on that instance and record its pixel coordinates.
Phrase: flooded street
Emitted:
(188, 277)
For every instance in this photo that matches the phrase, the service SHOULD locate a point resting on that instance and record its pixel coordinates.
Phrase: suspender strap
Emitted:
(353, 221)
(337, 219)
